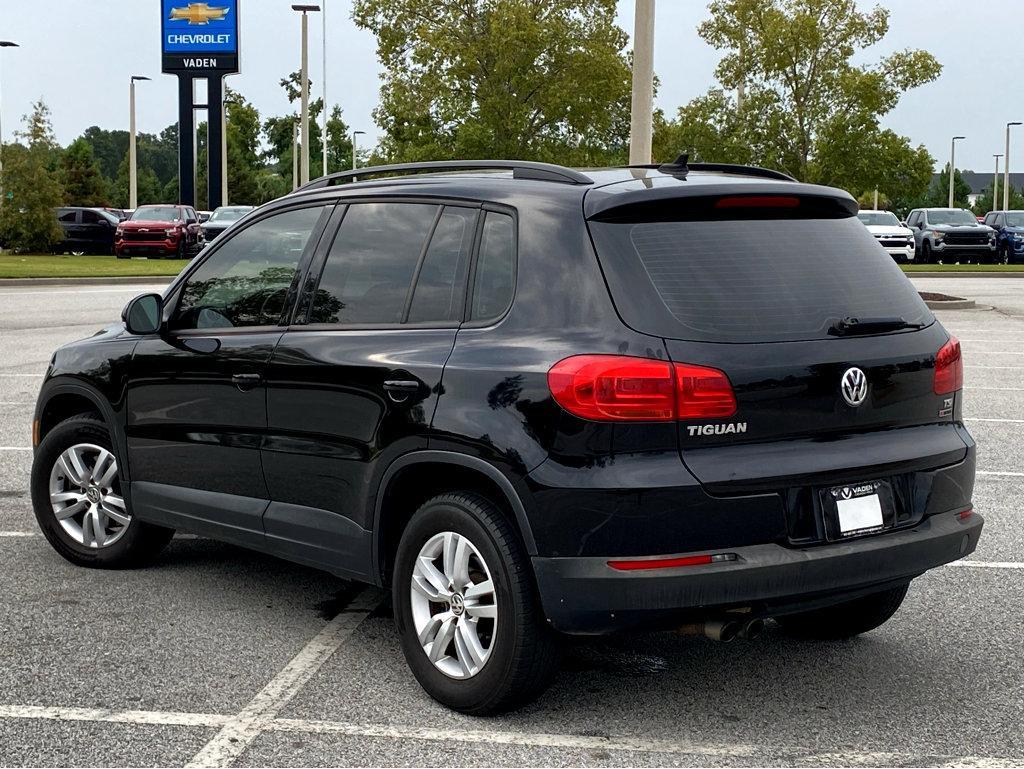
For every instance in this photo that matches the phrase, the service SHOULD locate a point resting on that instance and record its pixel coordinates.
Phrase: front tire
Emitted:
(847, 619)
(79, 501)
(471, 625)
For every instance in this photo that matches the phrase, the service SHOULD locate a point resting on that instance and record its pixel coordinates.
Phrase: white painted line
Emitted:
(988, 564)
(103, 715)
(1001, 368)
(973, 352)
(136, 289)
(17, 534)
(1005, 389)
(15, 448)
(999, 473)
(239, 732)
(635, 744)
(987, 419)
(16, 403)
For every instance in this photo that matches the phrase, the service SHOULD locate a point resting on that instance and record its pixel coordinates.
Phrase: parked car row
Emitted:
(156, 230)
(949, 235)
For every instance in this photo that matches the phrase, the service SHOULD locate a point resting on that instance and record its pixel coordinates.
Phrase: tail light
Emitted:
(610, 388)
(949, 368)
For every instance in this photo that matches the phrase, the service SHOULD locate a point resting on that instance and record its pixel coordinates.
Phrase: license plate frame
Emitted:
(848, 513)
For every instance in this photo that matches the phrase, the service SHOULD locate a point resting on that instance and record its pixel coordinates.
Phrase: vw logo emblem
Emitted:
(458, 604)
(854, 386)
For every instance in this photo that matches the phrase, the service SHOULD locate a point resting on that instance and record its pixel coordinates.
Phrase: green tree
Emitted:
(109, 148)
(150, 190)
(500, 78)
(808, 110)
(984, 202)
(938, 193)
(82, 177)
(32, 189)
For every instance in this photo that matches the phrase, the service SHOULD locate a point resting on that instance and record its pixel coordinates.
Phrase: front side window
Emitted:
(372, 262)
(245, 282)
(494, 282)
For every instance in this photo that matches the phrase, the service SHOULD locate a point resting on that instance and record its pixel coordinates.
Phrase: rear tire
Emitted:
(127, 543)
(519, 650)
(847, 619)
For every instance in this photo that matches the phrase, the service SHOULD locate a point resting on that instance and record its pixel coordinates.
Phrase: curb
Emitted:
(951, 304)
(965, 274)
(125, 281)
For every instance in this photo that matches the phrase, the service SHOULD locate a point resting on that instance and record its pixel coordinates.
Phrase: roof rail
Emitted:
(726, 168)
(521, 169)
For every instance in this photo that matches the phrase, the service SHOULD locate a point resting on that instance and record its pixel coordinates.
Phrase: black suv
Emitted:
(532, 401)
(86, 230)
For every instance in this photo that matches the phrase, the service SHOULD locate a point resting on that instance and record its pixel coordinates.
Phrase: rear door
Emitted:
(354, 381)
(97, 232)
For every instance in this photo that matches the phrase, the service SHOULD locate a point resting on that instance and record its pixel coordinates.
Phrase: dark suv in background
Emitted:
(951, 235)
(1009, 228)
(531, 401)
(86, 230)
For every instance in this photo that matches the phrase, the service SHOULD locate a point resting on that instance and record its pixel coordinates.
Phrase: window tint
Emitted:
(246, 281)
(441, 283)
(495, 269)
(68, 217)
(751, 280)
(91, 217)
(371, 264)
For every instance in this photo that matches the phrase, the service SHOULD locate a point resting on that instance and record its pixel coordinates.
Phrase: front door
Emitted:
(356, 385)
(196, 396)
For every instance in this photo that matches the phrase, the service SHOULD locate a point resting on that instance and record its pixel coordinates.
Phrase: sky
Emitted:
(78, 57)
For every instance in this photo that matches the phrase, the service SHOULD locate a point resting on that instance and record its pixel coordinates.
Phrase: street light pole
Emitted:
(323, 117)
(995, 184)
(1006, 169)
(224, 149)
(3, 44)
(952, 166)
(133, 155)
(641, 112)
(354, 135)
(305, 10)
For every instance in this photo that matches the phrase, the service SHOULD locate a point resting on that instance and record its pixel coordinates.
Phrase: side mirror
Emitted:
(903, 224)
(144, 314)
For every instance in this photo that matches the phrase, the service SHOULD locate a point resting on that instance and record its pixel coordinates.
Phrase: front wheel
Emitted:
(79, 500)
(471, 625)
(847, 619)
(926, 252)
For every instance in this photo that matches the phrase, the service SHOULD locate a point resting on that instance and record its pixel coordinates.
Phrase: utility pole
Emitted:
(952, 167)
(295, 155)
(323, 117)
(305, 10)
(995, 184)
(876, 198)
(642, 111)
(354, 135)
(1006, 170)
(224, 150)
(133, 157)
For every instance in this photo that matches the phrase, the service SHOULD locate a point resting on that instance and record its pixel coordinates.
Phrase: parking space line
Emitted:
(579, 742)
(988, 564)
(16, 534)
(1002, 368)
(989, 419)
(1005, 389)
(15, 448)
(153, 717)
(999, 473)
(238, 733)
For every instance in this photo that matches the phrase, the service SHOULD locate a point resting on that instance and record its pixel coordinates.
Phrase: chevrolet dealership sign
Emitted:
(199, 37)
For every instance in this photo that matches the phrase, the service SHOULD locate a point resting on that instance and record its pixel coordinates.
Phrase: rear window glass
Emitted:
(751, 280)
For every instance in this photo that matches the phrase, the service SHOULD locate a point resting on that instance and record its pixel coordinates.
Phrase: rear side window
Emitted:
(68, 217)
(495, 277)
(372, 263)
(761, 280)
(441, 282)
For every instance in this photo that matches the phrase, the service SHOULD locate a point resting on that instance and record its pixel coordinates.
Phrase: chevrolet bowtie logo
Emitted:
(198, 13)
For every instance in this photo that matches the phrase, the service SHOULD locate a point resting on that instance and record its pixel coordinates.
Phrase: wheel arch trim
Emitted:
(452, 458)
(62, 385)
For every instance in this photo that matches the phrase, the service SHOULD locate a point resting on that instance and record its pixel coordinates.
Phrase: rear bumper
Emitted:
(586, 596)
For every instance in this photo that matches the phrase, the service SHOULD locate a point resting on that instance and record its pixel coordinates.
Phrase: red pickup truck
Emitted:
(162, 230)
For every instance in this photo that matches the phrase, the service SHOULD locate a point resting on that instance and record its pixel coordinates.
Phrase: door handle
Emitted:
(245, 382)
(399, 390)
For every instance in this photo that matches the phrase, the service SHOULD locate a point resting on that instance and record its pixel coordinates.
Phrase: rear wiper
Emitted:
(853, 326)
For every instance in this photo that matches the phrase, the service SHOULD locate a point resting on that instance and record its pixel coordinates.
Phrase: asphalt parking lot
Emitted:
(218, 656)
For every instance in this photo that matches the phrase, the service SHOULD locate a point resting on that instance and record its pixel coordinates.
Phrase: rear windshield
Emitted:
(751, 280)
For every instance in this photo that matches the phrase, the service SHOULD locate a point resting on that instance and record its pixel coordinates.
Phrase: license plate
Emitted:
(860, 508)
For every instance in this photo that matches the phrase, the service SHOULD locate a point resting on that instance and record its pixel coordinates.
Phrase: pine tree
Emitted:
(84, 184)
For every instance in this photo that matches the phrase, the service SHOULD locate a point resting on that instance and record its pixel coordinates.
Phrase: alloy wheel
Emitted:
(85, 494)
(454, 606)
